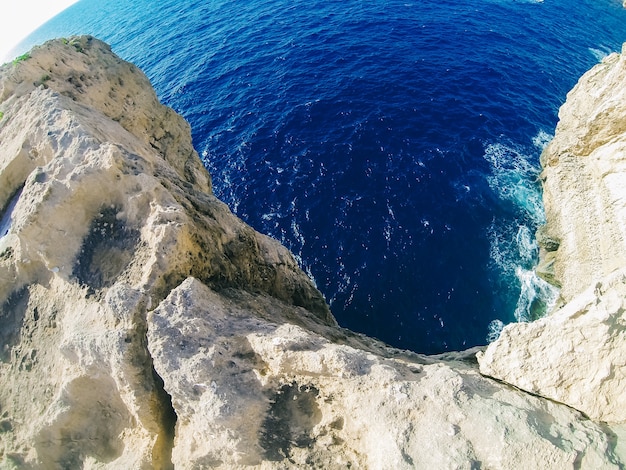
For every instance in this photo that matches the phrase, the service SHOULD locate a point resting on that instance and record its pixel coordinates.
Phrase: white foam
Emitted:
(514, 179)
(295, 229)
(387, 231)
(536, 297)
(600, 53)
(542, 139)
(513, 249)
(526, 245)
(494, 328)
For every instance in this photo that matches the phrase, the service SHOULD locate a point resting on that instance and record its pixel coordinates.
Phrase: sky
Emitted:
(22, 17)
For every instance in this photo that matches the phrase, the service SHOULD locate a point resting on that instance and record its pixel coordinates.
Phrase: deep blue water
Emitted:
(393, 146)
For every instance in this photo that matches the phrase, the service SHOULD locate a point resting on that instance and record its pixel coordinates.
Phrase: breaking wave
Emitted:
(514, 252)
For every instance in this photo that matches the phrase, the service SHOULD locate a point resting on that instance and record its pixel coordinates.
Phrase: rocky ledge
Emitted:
(143, 325)
(577, 354)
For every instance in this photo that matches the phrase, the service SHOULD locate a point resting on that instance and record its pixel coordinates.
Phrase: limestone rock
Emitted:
(142, 325)
(583, 179)
(251, 393)
(106, 208)
(576, 354)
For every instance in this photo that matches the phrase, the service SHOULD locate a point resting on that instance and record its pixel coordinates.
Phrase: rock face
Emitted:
(584, 169)
(577, 354)
(107, 208)
(250, 392)
(143, 325)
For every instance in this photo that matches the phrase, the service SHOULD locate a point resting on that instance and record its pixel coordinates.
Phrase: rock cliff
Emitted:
(576, 354)
(143, 325)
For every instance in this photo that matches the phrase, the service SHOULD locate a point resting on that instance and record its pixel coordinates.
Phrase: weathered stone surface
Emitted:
(250, 392)
(583, 179)
(142, 325)
(576, 354)
(113, 210)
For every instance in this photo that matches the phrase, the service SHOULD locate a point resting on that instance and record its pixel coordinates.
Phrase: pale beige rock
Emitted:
(114, 210)
(583, 175)
(576, 354)
(250, 393)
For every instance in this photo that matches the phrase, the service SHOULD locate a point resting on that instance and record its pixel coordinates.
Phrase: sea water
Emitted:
(393, 146)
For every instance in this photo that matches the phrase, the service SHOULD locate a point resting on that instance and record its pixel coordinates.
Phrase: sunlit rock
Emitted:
(575, 355)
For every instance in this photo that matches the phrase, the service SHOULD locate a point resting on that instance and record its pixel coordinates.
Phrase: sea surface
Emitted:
(393, 146)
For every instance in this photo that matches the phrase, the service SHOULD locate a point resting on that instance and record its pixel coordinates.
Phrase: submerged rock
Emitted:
(143, 325)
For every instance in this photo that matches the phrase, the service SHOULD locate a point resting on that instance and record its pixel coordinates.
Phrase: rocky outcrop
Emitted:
(584, 169)
(259, 393)
(576, 354)
(107, 208)
(144, 326)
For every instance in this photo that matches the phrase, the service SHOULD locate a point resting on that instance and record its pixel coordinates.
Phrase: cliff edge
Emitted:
(143, 325)
(576, 354)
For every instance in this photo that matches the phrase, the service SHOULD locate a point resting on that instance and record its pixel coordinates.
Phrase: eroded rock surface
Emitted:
(577, 354)
(107, 207)
(143, 325)
(253, 392)
(584, 169)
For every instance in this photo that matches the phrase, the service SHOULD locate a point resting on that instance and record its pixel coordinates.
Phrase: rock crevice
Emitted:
(166, 416)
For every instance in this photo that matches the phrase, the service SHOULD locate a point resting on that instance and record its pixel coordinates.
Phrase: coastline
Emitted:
(147, 326)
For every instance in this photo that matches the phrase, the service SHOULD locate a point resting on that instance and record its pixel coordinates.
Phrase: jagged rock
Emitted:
(106, 208)
(143, 325)
(251, 392)
(575, 355)
(545, 240)
(583, 179)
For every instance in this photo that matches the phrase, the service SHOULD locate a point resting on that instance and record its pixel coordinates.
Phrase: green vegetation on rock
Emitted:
(21, 58)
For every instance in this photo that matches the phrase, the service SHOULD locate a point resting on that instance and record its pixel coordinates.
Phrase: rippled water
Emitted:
(391, 145)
